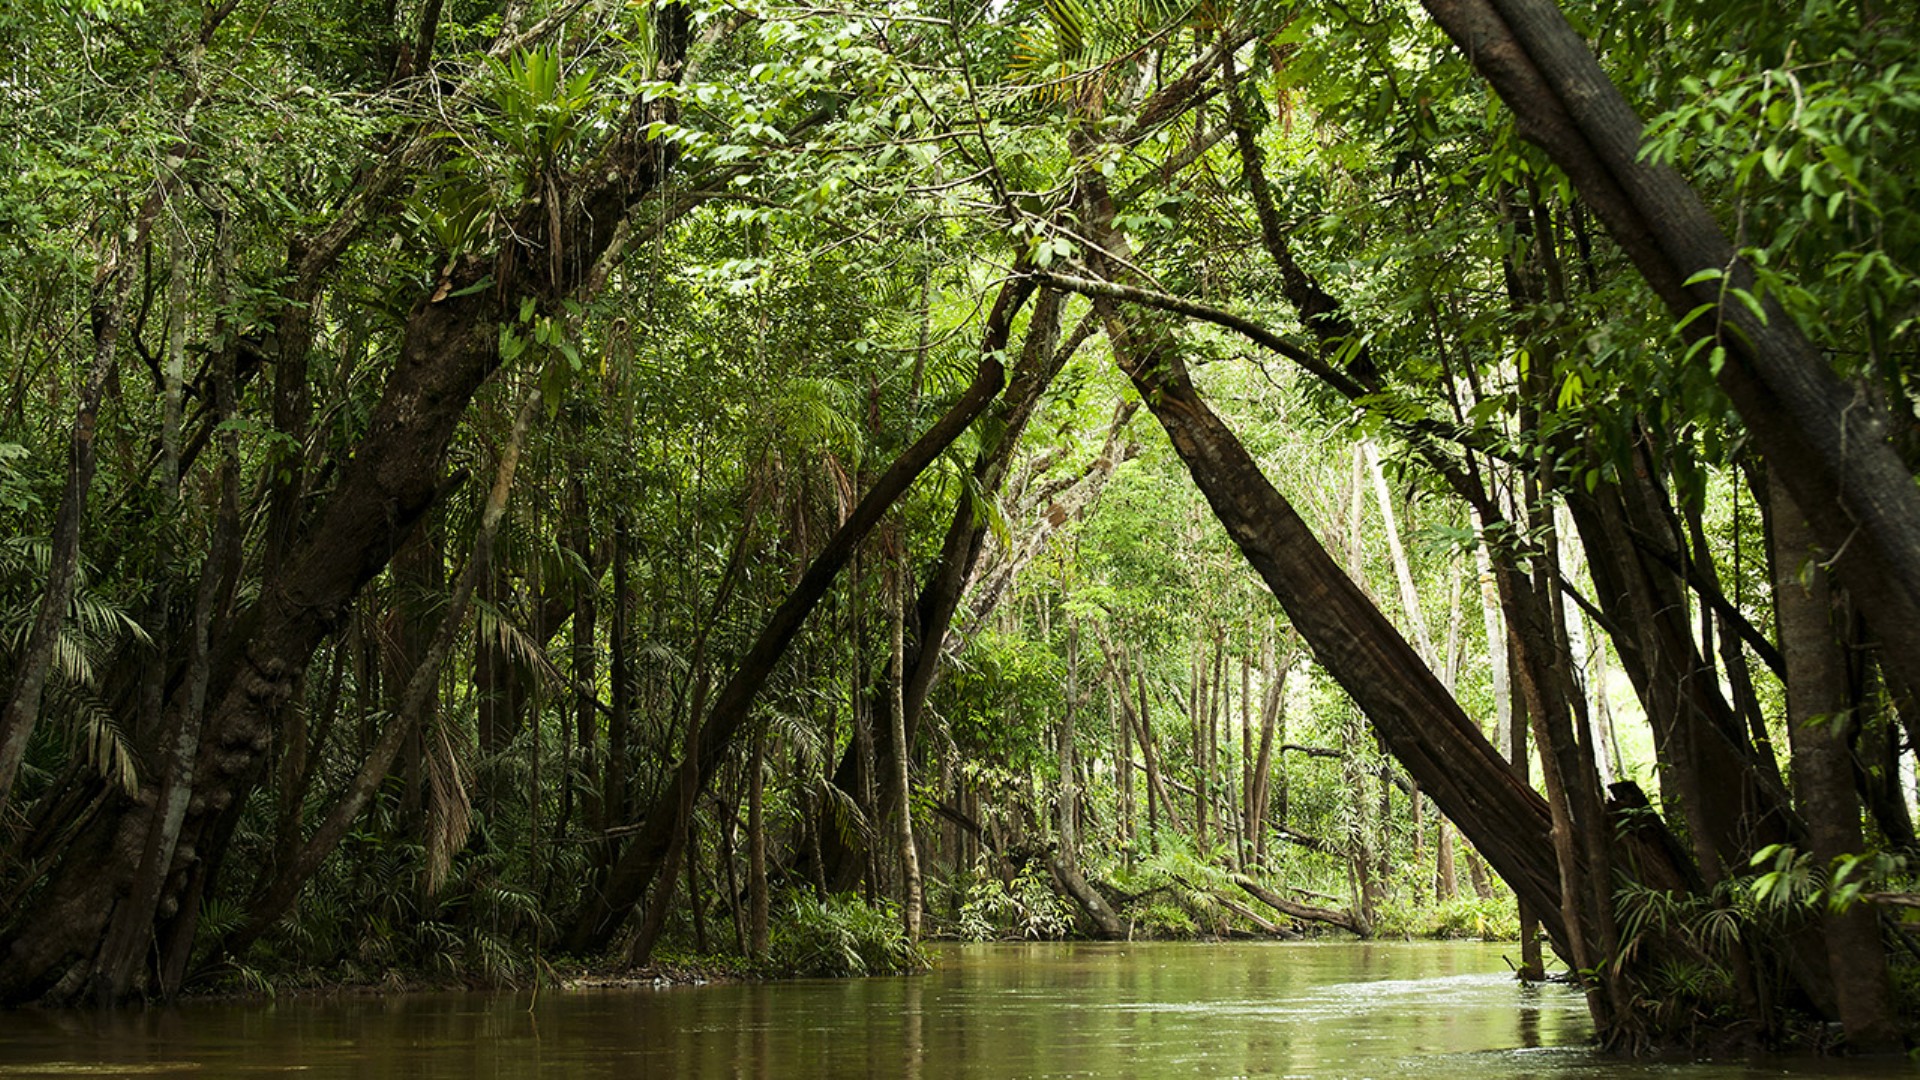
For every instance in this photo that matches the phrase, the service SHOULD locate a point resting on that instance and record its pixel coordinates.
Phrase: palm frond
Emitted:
(449, 804)
(848, 820)
(93, 733)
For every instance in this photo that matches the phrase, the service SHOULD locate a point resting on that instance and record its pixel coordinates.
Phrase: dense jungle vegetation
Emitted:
(489, 487)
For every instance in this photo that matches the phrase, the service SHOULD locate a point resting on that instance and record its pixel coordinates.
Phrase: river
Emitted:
(1336, 1009)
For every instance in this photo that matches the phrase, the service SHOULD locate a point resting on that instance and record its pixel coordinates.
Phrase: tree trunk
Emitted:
(1159, 804)
(758, 905)
(1818, 721)
(1273, 708)
(413, 703)
(585, 665)
(22, 711)
(130, 935)
(687, 779)
(450, 346)
(1246, 807)
(1303, 912)
(613, 798)
(960, 551)
(1117, 714)
(897, 718)
(1828, 442)
(1098, 912)
(1069, 792)
(1422, 725)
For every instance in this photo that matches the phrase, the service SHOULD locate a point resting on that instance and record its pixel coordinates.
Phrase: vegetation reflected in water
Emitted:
(1123, 1009)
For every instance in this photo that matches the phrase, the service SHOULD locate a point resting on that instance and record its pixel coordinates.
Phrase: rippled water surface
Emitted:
(987, 1011)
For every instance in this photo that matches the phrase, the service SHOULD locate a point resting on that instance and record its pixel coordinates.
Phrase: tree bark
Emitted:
(413, 704)
(902, 784)
(449, 348)
(1100, 913)
(758, 902)
(22, 711)
(966, 534)
(1303, 912)
(1273, 709)
(1819, 717)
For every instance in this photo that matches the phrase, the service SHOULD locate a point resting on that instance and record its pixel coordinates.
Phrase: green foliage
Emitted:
(96, 628)
(1789, 879)
(796, 304)
(1677, 988)
(1176, 889)
(1465, 917)
(17, 495)
(841, 936)
(1027, 908)
(1161, 919)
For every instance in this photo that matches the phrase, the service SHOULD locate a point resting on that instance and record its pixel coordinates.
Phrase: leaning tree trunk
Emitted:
(1040, 360)
(416, 700)
(450, 347)
(1422, 725)
(1829, 443)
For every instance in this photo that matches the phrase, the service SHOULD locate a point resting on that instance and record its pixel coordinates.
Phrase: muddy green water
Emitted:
(988, 1011)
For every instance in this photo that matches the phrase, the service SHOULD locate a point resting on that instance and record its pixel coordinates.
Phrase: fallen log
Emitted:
(1306, 913)
(1254, 917)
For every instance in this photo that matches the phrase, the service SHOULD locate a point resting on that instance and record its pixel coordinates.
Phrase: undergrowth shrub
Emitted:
(1028, 908)
(841, 936)
(1463, 917)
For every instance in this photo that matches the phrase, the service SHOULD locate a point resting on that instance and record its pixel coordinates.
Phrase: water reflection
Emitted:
(1001, 1011)
(1529, 1017)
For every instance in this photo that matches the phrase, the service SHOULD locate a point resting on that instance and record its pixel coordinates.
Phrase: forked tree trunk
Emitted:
(1273, 707)
(130, 935)
(415, 698)
(450, 347)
